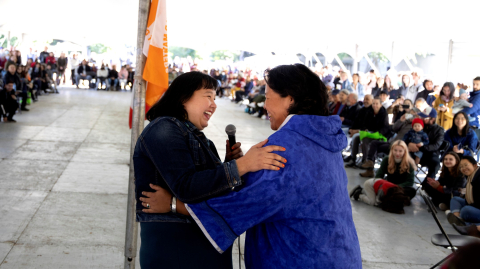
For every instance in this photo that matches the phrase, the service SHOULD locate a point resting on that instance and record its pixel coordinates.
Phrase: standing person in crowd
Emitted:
(449, 184)
(131, 75)
(461, 103)
(428, 94)
(443, 104)
(376, 120)
(112, 81)
(19, 56)
(122, 77)
(379, 87)
(389, 193)
(8, 102)
(349, 113)
(474, 111)
(418, 137)
(51, 61)
(102, 75)
(61, 67)
(431, 152)
(73, 66)
(43, 55)
(467, 210)
(400, 127)
(390, 87)
(83, 73)
(463, 140)
(345, 81)
(417, 85)
(308, 204)
(406, 89)
(31, 55)
(355, 86)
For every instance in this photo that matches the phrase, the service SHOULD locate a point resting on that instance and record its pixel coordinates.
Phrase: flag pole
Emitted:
(138, 119)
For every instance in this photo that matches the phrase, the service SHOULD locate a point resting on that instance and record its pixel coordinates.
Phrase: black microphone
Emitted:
(231, 130)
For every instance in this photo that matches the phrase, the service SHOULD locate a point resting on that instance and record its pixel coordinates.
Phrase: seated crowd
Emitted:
(414, 125)
(22, 84)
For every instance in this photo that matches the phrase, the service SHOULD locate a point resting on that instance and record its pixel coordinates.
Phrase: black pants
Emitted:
(356, 146)
(73, 77)
(24, 96)
(431, 160)
(10, 108)
(437, 197)
(377, 146)
(239, 96)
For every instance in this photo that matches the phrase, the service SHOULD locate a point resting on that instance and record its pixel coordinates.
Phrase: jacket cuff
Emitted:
(233, 177)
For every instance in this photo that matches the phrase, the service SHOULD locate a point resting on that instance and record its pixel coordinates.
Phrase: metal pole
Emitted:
(138, 119)
(450, 51)
(8, 41)
(355, 60)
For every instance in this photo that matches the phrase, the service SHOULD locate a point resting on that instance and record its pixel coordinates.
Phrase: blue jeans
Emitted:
(112, 82)
(468, 213)
(79, 77)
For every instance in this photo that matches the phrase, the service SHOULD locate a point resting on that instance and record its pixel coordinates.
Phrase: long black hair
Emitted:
(452, 90)
(179, 92)
(305, 87)
(466, 129)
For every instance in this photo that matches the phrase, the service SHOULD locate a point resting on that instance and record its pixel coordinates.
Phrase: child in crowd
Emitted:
(417, 136)
(461, 103)
(390, 197)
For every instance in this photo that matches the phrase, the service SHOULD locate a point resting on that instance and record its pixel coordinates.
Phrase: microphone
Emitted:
(231, 130)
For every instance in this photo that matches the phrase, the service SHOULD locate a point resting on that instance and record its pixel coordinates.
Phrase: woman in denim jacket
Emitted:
(300, 216)
(173, 153)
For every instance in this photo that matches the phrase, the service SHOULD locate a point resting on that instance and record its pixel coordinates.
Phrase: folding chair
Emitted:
(446, 240)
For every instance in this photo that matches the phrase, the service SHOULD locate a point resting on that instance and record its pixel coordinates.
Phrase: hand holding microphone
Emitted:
(233, 152)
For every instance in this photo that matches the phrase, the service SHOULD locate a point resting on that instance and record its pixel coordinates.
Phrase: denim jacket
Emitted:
(178, 157)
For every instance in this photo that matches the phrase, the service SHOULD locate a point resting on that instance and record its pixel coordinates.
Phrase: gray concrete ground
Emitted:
(63, 185)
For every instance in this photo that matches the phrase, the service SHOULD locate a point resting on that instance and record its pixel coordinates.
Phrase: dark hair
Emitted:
(179, 92)
(394, 200)
(425, 82)
(470, 159)
(466, 129)
(445, 171)
(452, 90)
(305, 87)
(477, 78)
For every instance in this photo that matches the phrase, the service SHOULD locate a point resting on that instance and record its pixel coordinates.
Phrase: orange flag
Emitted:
(156, 50)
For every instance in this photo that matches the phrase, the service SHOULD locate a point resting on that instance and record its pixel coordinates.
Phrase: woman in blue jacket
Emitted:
(461, 137)
(300, 216)
(174, 153)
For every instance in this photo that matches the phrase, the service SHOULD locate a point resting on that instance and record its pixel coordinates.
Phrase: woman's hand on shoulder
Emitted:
(233, 153)
(156, 202)
(259, 158)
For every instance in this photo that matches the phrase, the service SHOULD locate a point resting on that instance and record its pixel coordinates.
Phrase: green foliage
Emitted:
(344, 55)
(225, 54)
(99, 48)
(14, 41)
(182, 52)
(377, 57)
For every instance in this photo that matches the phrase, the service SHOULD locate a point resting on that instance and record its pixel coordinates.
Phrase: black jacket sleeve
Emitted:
(436, 137)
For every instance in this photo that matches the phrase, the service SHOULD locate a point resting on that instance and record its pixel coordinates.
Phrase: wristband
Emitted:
(173, 204)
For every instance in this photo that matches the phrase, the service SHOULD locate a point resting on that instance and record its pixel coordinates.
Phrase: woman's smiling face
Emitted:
(200, 107)
(277, 107)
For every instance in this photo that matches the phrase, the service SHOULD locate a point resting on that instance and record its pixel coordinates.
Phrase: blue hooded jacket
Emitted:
(474, 111)
(297, 217)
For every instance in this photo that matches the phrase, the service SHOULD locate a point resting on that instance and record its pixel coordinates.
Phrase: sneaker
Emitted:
(260, 104)
(368, 164)
(352, 192)
(452, 219)
(351, 164)
(443, 207)
(357, 193)
(447, 212)
(255, 114)
(369, 173)
(264, 117)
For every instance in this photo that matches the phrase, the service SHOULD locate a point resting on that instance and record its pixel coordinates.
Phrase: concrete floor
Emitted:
(63, 185)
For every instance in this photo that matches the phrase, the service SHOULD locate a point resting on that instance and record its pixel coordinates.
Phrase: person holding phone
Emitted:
(444, 105)
(462, 138)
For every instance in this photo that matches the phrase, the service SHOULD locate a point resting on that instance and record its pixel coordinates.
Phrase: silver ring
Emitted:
(148, 205)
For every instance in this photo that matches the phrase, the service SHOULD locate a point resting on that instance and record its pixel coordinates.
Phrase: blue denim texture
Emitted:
(178, 157)
(298, 217)
(468, 213)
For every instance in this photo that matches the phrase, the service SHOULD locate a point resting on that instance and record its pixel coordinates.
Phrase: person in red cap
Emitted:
(417, 136)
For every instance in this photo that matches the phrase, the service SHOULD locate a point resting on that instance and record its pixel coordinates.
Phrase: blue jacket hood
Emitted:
(325, 131)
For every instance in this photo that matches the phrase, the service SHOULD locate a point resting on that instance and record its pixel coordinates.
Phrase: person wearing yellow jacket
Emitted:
(443, 104)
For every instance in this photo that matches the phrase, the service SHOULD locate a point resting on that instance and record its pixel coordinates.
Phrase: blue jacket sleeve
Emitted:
(165, 139)
(447, 137)
(471, 142)
(475, 108)
(407, 137)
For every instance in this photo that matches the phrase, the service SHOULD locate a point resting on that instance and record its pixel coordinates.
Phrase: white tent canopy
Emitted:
(395, 28)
